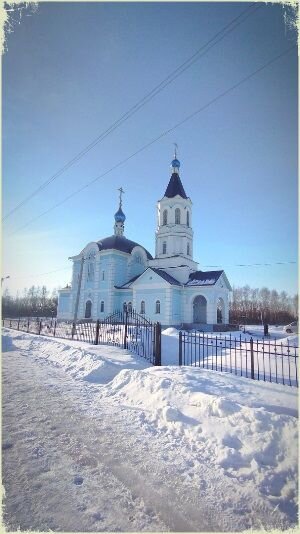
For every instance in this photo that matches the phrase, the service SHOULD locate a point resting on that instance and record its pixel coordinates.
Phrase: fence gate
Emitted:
(132, 331)
(126, 329)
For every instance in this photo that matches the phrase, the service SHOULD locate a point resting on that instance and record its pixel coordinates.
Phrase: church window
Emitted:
(177, 216)
(103, 275)
(137, 258)
(124, 306)
(88, 309)
(143, 306)
(188, 251)
(90, 272)
(188, 218)
(129, 307)
(164, 248)
(102, 306)
(165, 217)
(157, 306)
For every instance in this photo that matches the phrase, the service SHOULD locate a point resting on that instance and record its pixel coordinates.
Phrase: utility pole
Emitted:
(77, 296)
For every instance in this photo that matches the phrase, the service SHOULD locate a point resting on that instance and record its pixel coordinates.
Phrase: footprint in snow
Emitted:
(97, 516)
(7, 445)
(78, 480)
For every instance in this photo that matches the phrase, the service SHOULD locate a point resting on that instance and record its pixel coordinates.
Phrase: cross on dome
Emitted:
(175, 150)
(121, 193)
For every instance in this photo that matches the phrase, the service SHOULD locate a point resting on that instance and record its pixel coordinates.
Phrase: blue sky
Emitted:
(72, 69)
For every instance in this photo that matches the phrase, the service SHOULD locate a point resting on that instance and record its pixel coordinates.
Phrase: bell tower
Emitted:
(174, 234)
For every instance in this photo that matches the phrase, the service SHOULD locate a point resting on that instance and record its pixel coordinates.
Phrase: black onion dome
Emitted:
(119, 242)
(175, 187)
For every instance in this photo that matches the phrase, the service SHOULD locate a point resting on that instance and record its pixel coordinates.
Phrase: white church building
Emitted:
(115, 272)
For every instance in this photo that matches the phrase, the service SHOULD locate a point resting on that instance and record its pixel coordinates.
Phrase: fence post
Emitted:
(40, 326)
(252, 358)
(54, 327)
(28, 325)
(10, 323)
(125, 331)
(19, 323)
(97, 332)
(180, 348)
(73, 329)
(157, 336)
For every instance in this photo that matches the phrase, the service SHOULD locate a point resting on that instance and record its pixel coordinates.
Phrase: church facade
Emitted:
(115, 272)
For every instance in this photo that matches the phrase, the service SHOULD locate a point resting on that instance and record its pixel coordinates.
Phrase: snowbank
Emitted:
(247, 430)
(98, 364)
(219, 427)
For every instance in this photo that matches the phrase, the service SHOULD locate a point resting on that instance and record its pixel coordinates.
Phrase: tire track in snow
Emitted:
(48, 443)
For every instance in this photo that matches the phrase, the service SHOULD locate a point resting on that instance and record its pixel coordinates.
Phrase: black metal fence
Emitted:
(266, 360)
(126, 329)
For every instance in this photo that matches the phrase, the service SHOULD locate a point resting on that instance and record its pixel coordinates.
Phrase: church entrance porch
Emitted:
(200, 310)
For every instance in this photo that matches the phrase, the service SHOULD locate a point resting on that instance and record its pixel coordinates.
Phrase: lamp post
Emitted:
(77, 297)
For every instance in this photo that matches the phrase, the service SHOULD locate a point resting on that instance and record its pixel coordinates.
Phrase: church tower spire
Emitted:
(174, 234)
(119, 216)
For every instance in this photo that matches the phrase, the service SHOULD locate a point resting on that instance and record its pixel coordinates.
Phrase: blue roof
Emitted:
(203, 278)
(175, 187)
(119, 242)
(167, 277)
(127, 284)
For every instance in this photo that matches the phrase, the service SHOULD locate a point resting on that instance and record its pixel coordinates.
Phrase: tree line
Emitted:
(247, 305)
(257, 306)
(36, 301)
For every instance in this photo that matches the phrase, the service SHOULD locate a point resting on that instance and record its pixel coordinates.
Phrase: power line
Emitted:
(149, 96)
(166, 132)
(209, 266)
(254, 264)
(41, 274)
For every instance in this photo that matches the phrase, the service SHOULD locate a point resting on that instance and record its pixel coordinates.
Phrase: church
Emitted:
(115, 272)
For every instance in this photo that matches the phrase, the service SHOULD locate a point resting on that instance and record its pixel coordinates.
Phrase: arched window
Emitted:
(124, 306)
(188, 251)
(157, 306)
(90, 272)
(164, 249)
(88, 309)
(103, 275)
(143, 306)
(165, 217)
(129, 306)
(102, 306)
(220, 311)
(188, 218)
(177, 216)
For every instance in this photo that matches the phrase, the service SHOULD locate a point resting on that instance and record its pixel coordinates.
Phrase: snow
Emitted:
(222, 449)
(278, 365)
(80, 360)
(207, 282)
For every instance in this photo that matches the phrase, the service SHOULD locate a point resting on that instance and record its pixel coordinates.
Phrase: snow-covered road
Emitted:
(64, 471)
(78, 458)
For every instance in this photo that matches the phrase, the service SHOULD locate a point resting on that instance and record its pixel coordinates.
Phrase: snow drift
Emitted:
(220, 427)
